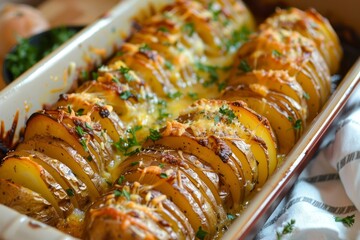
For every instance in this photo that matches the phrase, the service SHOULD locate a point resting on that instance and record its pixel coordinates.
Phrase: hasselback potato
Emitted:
(180, 128)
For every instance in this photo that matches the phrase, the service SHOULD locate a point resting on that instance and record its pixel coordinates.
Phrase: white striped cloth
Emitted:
(329, 187)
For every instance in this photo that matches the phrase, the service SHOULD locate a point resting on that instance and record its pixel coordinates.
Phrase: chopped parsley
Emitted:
(225, 111)
(154, 134)
(125, 95)
(211, 70)
(237, 38)
(87, 125)
(288, 228)
(276, 53)
(193, 95)
(244, 66)
(215, 11)
(221, 86)
(69, 109)
(121, 179)
(144, 48)
(83, 144)
(94, 75)
(169, 65)
(70, 192)
(306, 95)
(297, 125)
(163, 175)
(27, 52)
(162, 110)
(161, 165)
(189, 28)
(129, 146)
(174, 95)
(348, 221)
(134, 163)
(163, 29)
(80, 131)
(80, 112)
(201, 234)
(115, 79)
(122, 193)
(126, 73)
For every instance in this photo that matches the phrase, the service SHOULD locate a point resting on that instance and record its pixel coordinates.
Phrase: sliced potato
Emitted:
(138, 213)
(225, 169)
(175, 189)
(286, 50)
(279, 118)
(41, 123)
(25, 172)
(312, 25)
(27, 202)
(85, 104)
(274, 80)
(62, 151)
(74, 187)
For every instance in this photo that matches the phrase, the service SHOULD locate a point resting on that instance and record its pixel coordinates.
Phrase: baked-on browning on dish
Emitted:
(188, 119)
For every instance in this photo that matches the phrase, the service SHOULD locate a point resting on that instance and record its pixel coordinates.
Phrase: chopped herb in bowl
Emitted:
(29, 51)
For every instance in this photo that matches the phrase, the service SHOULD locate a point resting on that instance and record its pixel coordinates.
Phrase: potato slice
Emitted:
(85, 104)
(239, 121)
(129, 103)
(274, 80)
(62, 151)
(27, 202)
(41, 123)
(279, 118)
(173, 161)
(312, 25)
(286, 50)
(228, 173)
(25, 172)
(83, 126)
(138, 212)
(76, 189)
(176, 188)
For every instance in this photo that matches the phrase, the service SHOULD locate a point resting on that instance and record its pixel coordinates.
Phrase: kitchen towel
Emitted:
(325, 200)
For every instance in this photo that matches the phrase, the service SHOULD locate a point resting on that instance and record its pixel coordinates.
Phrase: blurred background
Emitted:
(24, 18)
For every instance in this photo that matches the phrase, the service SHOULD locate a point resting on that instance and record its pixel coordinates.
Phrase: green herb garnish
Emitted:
(121, 179)
(144, 48)
(129, 146)
(174, 95)
(201, 234)
(348, 221)
(276, 53)
(237, 39)
(126, 73)
(125, 95)
(80, 131)
(225, 111)
(244, 66)
(154, 134)
(83, 144)
(163, 29)
(169, 65)
(163, 175)
(288, 228)
(189, 28)
(193, 95)
(306, 95)
(70, 192)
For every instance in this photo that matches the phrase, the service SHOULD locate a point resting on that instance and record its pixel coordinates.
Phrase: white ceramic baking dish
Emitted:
(55, 74)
